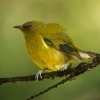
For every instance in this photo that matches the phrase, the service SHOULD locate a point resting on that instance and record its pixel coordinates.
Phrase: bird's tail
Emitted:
(87, 55)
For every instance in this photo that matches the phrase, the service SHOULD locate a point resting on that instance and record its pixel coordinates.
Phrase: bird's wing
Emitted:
(63, 43)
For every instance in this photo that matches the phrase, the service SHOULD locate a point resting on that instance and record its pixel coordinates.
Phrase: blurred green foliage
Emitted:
(81, 18)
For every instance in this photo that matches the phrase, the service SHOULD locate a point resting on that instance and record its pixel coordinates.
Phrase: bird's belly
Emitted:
(46, 58)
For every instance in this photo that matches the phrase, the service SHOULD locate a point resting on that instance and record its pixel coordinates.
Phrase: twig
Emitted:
(50, 75)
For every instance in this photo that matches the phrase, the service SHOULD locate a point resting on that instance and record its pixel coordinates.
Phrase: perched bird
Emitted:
(49, 46)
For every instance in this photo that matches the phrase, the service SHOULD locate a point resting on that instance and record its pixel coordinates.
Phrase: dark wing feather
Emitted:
(63, 43)
(49, 42)
(69, 50)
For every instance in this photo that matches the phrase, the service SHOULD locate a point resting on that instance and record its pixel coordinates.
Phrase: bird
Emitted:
(50, 47)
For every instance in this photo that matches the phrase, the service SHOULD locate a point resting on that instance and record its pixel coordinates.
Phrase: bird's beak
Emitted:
(18, 27)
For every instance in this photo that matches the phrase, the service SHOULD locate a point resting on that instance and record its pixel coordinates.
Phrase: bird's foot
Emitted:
(38, 75)
(65, 66)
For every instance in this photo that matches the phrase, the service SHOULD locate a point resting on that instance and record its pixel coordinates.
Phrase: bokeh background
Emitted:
(81, 18)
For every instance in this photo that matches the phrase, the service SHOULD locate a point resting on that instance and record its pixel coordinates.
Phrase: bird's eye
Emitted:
(27, 26)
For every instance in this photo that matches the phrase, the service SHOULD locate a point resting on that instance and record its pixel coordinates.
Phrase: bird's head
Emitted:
(30, 27)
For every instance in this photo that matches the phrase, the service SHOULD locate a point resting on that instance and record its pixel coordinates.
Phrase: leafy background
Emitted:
(81, 18)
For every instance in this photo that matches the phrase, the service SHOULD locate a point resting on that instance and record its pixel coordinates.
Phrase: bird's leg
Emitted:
(38, 75)
(65, 66)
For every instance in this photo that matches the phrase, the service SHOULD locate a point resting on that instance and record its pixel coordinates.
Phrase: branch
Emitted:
(81, 68)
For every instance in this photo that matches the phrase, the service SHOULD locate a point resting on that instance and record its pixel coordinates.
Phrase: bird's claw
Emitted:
(38, 75)
(65, 66)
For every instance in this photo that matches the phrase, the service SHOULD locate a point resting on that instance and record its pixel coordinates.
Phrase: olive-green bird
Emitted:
(49, 46)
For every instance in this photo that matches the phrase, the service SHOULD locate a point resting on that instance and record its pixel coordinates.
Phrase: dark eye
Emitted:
(27, 26)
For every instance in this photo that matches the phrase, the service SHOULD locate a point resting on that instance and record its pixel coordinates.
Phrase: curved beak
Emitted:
(18, 27)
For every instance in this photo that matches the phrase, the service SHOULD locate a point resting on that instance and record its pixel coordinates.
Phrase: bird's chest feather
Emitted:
(42, 54)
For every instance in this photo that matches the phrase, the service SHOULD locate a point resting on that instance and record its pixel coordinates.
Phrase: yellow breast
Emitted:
(44, 56)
